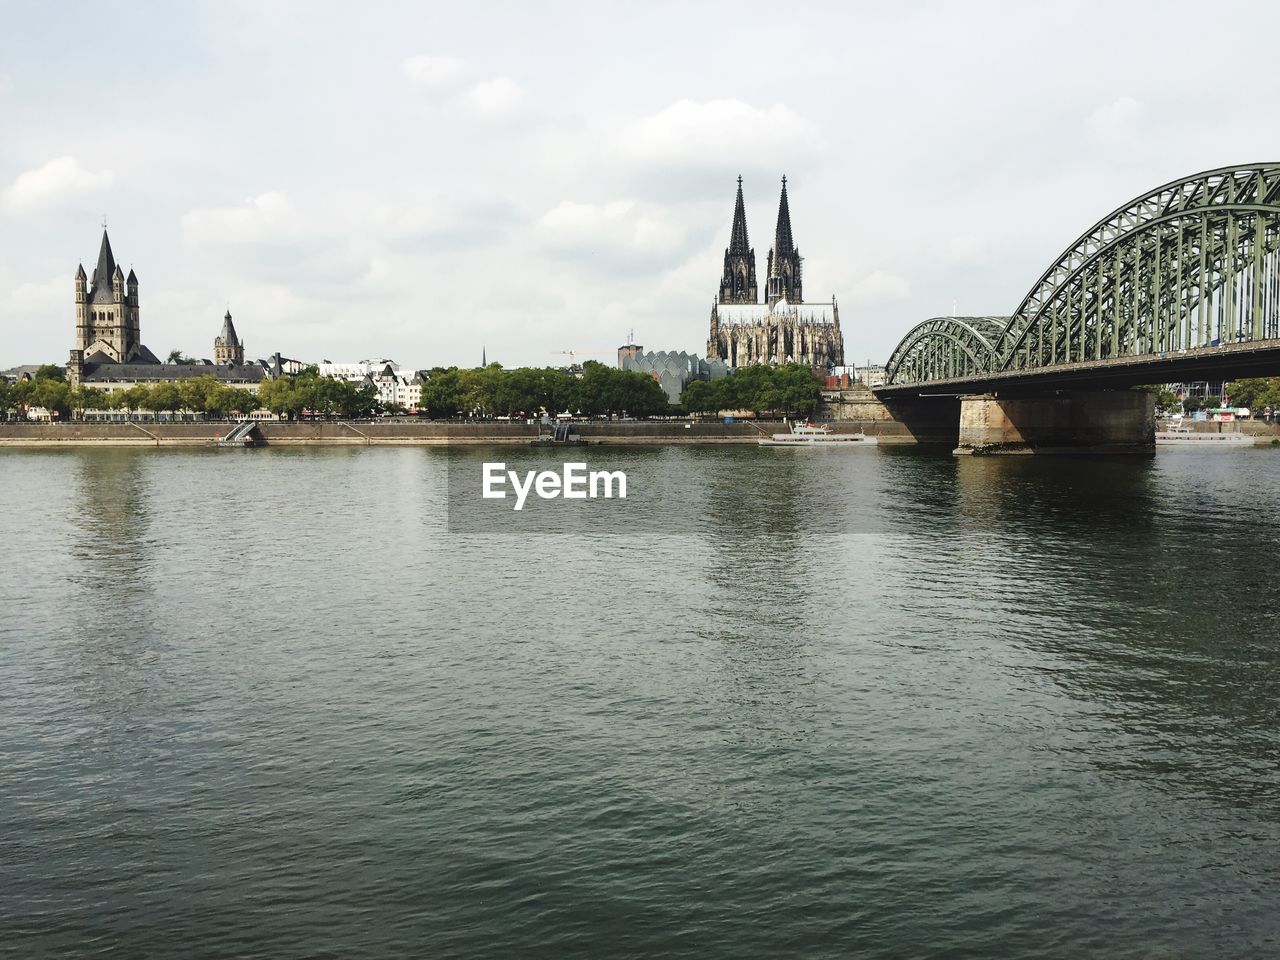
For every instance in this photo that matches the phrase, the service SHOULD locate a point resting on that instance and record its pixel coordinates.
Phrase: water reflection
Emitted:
(1106, 572)
(113, 556)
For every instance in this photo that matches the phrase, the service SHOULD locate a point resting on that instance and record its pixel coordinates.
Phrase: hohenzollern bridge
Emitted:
(1179, 284)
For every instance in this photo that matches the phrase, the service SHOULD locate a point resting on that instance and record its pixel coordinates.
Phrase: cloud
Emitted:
(443, 221)
(1116, 121)
(266, 218)
(46, 297)
(435, 73)
(6, 84)
(490, 98)
(879, 287)
(968, 248)
(52, 184)
(497, 97)
(689, 133)
(620, 227)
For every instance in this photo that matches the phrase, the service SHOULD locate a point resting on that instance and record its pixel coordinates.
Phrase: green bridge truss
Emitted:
(1194, 263)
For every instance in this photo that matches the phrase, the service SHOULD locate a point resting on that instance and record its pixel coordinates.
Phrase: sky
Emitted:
(422, 181)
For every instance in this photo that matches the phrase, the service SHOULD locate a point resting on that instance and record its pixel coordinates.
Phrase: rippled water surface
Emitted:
(875, 704)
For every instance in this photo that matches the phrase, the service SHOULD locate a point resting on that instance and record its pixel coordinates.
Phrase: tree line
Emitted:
(606, 391)
(448, 392)
(49, 389)
(495, 392)
(790, 389)
(308, 394)
(1256, 393)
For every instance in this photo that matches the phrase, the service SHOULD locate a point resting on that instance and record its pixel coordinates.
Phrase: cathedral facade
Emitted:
(107, 326)
(783, 328)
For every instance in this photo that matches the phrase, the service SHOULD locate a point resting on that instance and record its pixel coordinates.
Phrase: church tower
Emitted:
(784, 259)
(227, 347)
(107, 311)
(738, 285)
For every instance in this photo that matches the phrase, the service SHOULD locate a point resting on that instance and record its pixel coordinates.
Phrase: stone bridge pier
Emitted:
(1083, 421)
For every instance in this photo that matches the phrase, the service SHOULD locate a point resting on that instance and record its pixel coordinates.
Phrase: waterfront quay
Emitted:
(403, 431)
(931, 428)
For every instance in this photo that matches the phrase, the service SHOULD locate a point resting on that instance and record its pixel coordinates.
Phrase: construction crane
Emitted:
(565, 353)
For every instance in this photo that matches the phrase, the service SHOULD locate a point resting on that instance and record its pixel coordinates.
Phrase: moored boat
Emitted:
(813, 435)
(1183, 437)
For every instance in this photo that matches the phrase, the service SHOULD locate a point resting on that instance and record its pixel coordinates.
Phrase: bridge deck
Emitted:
(1251, 359)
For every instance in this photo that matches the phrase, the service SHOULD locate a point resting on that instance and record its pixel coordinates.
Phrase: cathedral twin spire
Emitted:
(738, 283)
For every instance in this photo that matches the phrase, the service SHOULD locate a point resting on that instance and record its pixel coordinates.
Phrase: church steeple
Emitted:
(784, 259)
(738, 244)
(782, 242)
(107, 312)
(227, 346)
(738, 282)
(103, 273)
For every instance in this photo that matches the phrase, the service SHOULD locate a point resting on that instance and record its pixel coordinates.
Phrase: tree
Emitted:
(604, 390)
(88, 398)
(239, 400)
(703, 396)
(640, 395)
(279, 397)
(799, 391)
(351, 401)
(52, 394)
(483, 391)
(165, 396)
(49, 371)
(177, 356)
(1255, 392)
(20, 396)
(442, 393)
(224, 399)
(134, 398)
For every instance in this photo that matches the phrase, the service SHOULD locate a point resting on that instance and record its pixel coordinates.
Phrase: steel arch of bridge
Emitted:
(1194, 263)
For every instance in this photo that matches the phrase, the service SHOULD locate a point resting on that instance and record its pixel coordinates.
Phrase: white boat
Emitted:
(811, 435)
(1185, 437)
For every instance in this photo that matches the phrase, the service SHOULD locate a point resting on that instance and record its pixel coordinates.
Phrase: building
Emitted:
(782, 329)
(628, 349)
(108, 330)
(672, 370)
(386, 378)
(227, 347)
(109, 353)
(871, 374)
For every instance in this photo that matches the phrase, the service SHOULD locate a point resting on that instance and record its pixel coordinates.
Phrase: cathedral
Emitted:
(782, 329)
(109, 353)
(107, 328)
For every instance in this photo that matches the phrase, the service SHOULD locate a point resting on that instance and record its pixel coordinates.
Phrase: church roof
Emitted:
(738, 245)
(102, 274)
(228, 334)
(151, 372)
(80, 274)
(752, 313)
(133, 277)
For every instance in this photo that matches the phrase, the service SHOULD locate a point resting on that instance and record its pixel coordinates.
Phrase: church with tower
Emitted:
(784, 328)
(109, 352)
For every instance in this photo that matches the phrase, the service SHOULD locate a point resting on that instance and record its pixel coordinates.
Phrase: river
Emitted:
(888, 704)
